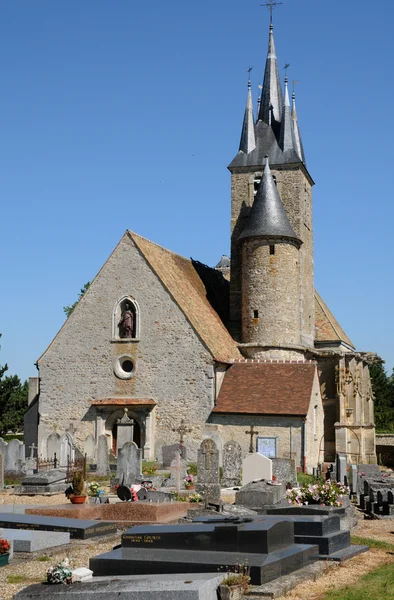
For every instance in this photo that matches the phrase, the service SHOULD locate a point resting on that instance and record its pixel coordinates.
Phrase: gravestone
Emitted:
(256, 466)
(129, 465)
(125, 430)
(14, 456)
(232, 464)
(102, 456)
(32, 541)
(341, 468)
(178, 470)
(80, 529)
(208, 471)
(90, 449)
(353, 475)
(53, 445)
(260, 495)
(284, 470)
(66, 450)
(169, 453)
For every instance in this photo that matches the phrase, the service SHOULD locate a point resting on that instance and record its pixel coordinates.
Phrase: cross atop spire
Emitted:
(270, 4)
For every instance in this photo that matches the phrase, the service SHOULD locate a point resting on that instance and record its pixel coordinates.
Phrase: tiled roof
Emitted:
(123, 402)
(327, 327)
(180, 278)
(266, 388)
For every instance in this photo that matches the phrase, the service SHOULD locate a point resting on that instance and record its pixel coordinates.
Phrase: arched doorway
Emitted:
(111, 427)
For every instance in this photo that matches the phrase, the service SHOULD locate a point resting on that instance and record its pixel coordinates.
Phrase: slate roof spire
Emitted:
(271, 94)
(268, 218)
(248, 139)
(286, 136)
(297, 136)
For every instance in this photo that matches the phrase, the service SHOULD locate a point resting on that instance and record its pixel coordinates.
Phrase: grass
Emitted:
(44, 558)
(305, 479)
(103, 479)
(377, 585)
(363, 541)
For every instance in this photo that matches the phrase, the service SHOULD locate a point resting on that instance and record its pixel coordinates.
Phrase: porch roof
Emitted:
(123, 401)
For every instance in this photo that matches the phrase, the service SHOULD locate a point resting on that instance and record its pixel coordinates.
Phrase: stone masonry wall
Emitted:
(270, 286)
(296, 193)
(172, 366)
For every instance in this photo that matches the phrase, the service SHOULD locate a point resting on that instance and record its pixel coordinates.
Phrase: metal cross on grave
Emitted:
(182, 430)
(251, 432)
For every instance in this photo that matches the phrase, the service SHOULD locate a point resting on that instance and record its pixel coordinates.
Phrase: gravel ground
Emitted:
(23, 572)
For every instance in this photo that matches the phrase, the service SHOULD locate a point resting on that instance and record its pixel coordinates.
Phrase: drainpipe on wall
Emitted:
(304, 445)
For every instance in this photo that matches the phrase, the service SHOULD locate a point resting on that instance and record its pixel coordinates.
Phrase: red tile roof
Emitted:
(180, 278)
(123, 402)
(327, 327)
(266, 388)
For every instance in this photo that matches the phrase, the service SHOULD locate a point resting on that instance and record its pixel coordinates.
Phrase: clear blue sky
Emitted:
(125, 114)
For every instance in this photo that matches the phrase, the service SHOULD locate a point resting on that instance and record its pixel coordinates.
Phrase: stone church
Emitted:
(249, 342)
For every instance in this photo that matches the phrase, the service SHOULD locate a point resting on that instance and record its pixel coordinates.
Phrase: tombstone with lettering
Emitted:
(232, 464)
(208, 471)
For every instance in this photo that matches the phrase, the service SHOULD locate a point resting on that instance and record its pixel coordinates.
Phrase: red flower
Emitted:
(4, 546)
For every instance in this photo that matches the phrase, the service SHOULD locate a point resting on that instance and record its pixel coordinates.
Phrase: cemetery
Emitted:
(150, 535)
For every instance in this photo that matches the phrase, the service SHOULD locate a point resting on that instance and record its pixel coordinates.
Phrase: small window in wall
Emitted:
(124, 367)
(267, 446)
(255, 314)
(272, 249)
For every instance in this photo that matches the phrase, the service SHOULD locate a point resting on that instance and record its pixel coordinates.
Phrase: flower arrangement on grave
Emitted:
(325, 494)
(4, 546)
(236, 583)
(94, 490)
(60, 573)
(149, 468)
(189, 481)
(148, 486)
(195, 498)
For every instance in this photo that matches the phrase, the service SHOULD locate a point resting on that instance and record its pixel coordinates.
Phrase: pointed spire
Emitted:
(286, 136)
(271, 96)
(268, 218)
(248, 140)
(297, 136)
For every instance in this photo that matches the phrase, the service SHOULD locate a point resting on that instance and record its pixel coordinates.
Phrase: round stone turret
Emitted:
(271, 316)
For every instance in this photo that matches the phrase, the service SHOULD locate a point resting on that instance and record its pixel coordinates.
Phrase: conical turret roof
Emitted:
(268, 218)
(271, 95)
(248, 140)
(297, 136)
(286, 138)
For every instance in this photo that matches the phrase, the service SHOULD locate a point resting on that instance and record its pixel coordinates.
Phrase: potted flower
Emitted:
(195, 498)
(4, 552)
(76, 492)
(60, 573)
(189, 482)
(235, 585)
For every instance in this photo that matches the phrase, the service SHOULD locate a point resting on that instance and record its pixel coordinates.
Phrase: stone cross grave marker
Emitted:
(178, 470)
(256, 466)
(232, 464)
(102, 456)
(208, 471)
(251, 432)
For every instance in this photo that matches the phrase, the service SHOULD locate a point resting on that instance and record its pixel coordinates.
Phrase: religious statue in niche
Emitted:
(126, 323)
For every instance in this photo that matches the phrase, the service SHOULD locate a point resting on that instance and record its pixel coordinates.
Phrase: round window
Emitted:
(124, 367)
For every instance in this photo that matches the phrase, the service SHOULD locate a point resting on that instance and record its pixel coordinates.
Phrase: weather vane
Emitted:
(249, 71)
(270, 4)
(294, 84)
(287, 65)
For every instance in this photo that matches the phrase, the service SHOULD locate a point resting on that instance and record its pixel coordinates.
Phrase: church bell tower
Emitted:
(272, 272)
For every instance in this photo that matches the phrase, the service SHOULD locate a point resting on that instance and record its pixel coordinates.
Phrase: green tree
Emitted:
(383, 389)
(68, 309)
(13, 401)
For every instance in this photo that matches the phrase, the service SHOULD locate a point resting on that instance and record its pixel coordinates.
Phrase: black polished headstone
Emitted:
(78, 528)
(123, 493)
(263, 536)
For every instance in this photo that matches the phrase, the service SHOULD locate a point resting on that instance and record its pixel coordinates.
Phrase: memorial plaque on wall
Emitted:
(266, 447)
